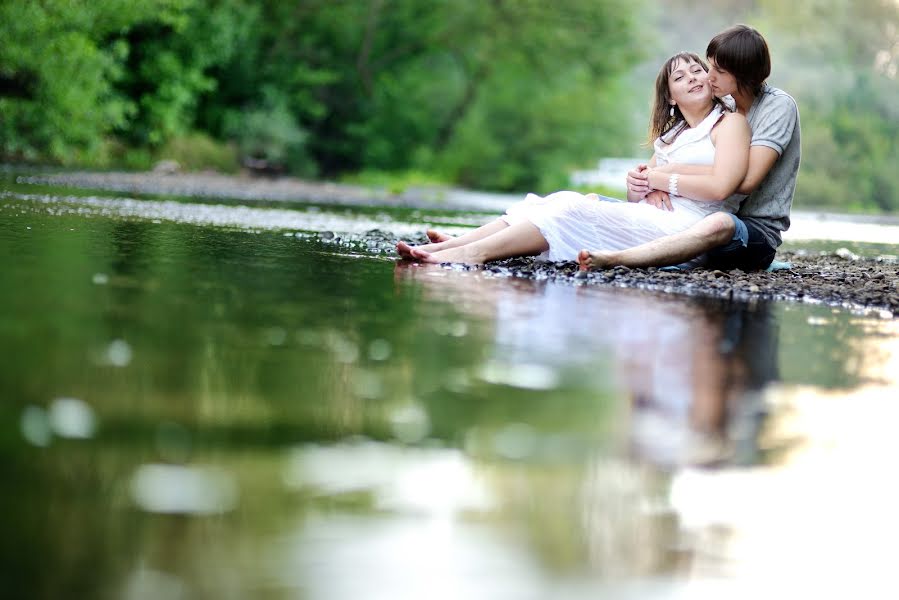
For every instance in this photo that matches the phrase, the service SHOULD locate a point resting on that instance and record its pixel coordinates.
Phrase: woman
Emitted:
(689, 125)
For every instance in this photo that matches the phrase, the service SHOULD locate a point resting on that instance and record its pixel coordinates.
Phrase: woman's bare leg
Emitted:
(404, 249)
(521, 239)
(437, 236)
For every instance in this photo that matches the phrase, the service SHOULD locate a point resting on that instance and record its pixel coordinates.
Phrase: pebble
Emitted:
(826, 278)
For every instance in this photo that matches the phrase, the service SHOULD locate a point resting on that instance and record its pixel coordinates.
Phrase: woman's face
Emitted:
(721, 82)
(688, 83)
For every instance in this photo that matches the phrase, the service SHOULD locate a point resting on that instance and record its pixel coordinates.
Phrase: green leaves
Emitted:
(488, 94)
(70, 52)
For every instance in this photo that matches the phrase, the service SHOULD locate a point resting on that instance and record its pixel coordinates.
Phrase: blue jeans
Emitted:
(748, 250)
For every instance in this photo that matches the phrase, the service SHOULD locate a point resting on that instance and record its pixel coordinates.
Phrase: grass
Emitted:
(198, 151)
(395, 182)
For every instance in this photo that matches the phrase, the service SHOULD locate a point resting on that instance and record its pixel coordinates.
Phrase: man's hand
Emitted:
(659, 199)
(638, 181)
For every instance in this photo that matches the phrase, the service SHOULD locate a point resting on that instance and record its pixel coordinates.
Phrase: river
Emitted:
(205, 399)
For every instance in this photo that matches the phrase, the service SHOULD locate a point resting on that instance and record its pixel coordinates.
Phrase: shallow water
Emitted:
(210, 400)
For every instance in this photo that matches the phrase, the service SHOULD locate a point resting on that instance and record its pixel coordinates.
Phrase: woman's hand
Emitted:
(638, 183)
(659, 199)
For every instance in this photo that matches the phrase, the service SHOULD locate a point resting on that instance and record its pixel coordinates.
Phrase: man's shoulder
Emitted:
(775, 99)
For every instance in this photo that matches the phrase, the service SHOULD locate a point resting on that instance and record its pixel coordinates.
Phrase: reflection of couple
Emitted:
(719, 185)
(692, 370)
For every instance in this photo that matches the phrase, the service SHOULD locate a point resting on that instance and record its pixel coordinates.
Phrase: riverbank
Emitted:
(276, 189)
(838, 278)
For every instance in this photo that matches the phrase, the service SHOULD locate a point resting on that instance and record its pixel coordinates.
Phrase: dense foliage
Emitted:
(497, 94)
(505, 95)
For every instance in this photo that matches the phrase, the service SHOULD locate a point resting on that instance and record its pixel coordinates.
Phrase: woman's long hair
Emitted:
(661, 123)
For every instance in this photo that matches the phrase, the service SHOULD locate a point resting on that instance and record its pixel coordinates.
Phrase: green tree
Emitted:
(57, 68)
(399, 84)
(502, 94)
(170, 65)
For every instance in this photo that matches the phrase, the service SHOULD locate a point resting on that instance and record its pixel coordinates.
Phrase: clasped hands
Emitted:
(638, 186)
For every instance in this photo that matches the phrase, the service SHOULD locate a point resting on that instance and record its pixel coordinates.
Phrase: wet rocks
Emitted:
(830, 278)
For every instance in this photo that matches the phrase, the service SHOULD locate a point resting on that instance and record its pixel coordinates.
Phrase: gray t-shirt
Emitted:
(774, 120)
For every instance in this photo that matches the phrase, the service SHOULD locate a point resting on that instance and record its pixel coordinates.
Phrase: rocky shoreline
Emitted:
(839, 278)
(822, 278)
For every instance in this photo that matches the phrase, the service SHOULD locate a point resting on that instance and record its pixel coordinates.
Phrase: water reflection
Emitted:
(704, 391)
(818, 518)
(693, 371)
(175, 489)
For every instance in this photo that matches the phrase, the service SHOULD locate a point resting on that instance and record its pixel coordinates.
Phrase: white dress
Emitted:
(571, 222)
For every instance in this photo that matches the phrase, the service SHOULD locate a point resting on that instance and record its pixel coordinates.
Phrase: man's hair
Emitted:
(742, 51)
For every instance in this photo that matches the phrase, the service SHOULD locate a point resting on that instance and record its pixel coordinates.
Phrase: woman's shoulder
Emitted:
(732, 119)
(733, 125)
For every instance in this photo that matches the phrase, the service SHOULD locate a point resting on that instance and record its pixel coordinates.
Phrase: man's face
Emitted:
(722, 82)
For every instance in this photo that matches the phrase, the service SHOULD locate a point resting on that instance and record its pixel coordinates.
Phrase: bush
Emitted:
(271, 138)
(197, 151)
(395, 182)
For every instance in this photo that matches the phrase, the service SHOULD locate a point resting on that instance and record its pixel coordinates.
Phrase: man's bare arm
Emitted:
(761, 159)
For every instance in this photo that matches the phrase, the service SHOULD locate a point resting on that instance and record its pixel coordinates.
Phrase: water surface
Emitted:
(214, 400)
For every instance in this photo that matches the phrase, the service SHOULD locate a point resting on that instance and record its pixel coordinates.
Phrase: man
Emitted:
(739, 65)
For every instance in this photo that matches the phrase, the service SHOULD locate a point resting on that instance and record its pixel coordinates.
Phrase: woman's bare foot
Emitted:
(587, 260)
(404, 250)
(436, 237)
(460, 254)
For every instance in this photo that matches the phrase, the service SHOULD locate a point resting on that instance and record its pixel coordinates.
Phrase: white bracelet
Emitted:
(672, 184)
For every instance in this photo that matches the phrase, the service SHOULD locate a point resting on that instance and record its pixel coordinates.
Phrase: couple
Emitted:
(717, 190)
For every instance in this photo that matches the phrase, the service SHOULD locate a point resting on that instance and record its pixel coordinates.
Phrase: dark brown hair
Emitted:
(661, 122)
(742, 51)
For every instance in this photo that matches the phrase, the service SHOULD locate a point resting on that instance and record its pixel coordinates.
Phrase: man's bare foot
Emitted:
(461, 254)
(587, 260)
(437, 237)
